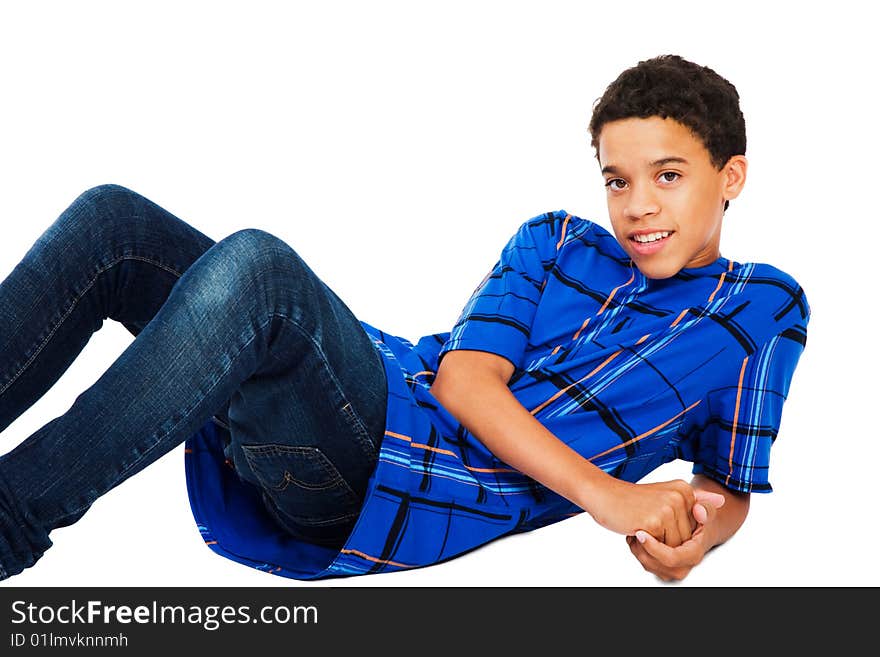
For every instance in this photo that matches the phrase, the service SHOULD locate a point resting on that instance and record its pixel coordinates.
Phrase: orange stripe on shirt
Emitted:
(558, 244)
(647, 433)
(583, 326)
(564, 226)
(679, 318)
(739, 386)
(438, 450)
(376, 560)
(597, 369)
(584, 378)
(400, 436)
(574, 337)
(720, 281)
(632, 276)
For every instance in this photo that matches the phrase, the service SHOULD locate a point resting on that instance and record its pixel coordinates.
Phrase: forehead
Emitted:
(636, 142)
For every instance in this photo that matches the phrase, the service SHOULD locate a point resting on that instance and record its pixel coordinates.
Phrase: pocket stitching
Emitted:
(336, 479)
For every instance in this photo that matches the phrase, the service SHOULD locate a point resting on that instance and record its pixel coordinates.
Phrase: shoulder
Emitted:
(780, 286)
(556, 222)
(777, 303)
(773, 274)
(548, 232)
(559, 227)
(573, 223)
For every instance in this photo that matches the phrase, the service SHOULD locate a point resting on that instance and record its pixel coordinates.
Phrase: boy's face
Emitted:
(647, 191)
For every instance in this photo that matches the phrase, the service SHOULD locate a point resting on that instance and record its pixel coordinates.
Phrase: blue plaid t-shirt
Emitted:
(630, 372)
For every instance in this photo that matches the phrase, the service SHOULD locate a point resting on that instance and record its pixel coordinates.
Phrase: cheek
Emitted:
(615, 205)
(682, 199)
(703, 196)
(617, 220)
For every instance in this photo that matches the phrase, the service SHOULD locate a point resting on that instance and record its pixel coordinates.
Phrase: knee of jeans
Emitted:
(270, 265)
(99, 191)
(228, 274)
(98, 212)
(106, 196)
(258, 248)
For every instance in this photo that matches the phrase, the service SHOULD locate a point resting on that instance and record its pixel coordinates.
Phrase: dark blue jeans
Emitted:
(240, 331)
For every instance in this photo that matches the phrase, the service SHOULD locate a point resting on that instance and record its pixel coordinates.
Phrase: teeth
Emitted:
(650, 237)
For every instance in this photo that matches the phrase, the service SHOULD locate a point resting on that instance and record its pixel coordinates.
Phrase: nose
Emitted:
(641, 201)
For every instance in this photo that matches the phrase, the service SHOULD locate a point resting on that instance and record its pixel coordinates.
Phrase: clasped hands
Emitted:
(668, 525)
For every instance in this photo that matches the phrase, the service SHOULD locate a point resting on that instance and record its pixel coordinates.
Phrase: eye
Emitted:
(610, 183)
(670, 173)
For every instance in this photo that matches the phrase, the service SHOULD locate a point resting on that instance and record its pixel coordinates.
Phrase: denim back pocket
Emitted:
(303, 484)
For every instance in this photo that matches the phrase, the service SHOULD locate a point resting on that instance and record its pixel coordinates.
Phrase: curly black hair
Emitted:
(669, 86)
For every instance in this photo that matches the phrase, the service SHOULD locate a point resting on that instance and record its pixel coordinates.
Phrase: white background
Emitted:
(397, 146)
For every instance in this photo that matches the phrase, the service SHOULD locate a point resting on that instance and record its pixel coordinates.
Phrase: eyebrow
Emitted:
(656, 163)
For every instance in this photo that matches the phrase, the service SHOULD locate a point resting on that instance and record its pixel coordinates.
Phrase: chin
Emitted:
(658, 272)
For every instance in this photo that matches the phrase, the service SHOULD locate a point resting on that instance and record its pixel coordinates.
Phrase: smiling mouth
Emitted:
(670, 233)
(647, 248)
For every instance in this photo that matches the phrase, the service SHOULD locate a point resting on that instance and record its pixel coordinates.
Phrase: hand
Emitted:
(662, 509)
(675, 563)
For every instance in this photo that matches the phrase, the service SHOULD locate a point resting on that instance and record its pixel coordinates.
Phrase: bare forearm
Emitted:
(731, 515)
(489, 410)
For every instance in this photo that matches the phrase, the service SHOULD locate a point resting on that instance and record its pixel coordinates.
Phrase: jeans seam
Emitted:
(76, 299)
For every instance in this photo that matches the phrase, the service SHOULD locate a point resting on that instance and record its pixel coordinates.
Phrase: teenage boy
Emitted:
(582, 361)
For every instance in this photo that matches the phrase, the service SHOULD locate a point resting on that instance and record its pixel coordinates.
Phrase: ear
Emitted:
(733, 176)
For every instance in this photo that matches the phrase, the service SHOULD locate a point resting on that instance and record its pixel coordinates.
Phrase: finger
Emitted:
(685, 523)
(685, 555)
(715, 499)
(649, 563)
(671, 533)
(706, 513)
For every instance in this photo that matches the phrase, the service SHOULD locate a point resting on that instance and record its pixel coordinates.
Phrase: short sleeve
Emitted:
(745, 416)
(498, 316)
